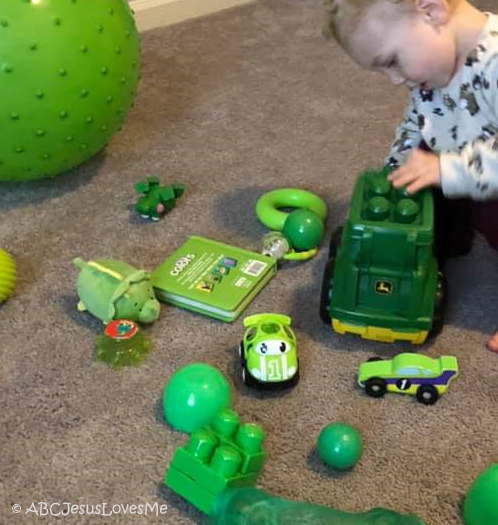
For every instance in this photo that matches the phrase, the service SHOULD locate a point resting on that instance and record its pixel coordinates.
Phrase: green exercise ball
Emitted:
(480, 506)
(69, 72)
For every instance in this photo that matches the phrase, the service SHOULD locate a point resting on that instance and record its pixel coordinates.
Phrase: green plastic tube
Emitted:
(250, 506)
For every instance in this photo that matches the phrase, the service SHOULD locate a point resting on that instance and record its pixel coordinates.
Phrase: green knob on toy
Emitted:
(250, 437)
(226, 461)
(379, 185)
(226, 422)
(304, 229)
(406, 210)
(202, 444)
(193, 396)
(339, 446)
(480, 506)
(378, 208)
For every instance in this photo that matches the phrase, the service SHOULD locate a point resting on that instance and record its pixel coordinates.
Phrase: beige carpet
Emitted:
(231, 105)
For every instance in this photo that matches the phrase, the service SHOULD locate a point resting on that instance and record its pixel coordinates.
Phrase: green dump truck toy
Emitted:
(382, 279)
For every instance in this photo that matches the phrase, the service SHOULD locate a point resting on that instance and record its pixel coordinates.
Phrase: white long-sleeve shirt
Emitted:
(460, 123)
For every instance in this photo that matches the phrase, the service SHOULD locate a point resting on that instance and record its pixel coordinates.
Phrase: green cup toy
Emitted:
(193, 395)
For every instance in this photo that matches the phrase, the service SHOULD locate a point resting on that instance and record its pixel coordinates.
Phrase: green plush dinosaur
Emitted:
(111, 289)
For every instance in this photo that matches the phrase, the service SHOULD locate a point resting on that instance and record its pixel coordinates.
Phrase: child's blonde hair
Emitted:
(343, 16)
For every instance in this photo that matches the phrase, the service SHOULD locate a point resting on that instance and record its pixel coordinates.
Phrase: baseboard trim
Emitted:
(157, 13)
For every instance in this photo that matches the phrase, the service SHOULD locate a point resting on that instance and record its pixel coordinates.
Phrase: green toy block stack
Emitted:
(225, 454)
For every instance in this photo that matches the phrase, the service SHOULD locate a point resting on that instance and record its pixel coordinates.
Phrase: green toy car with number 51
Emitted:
(268, 352)
(408, 373)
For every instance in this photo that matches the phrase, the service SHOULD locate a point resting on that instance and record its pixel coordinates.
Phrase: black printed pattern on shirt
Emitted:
(459, 122)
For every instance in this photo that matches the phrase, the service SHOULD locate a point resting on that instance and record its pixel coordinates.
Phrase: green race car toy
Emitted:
(268, 352)
(408, 373)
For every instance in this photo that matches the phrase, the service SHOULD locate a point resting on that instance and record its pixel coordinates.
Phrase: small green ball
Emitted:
(304, 229)
(339, 446)
(480, 506)
(193, 395)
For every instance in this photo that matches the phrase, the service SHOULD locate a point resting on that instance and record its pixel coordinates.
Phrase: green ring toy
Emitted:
(302, 228)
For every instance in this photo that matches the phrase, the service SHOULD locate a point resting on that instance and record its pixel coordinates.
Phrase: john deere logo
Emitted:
(383, 287)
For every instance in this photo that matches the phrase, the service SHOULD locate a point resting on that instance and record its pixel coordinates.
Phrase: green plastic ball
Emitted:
(339, 446)
(480, 506)
(193, 395)
(69, 71)
(304, 229)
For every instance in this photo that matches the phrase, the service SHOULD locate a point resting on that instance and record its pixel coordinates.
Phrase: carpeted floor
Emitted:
(231, 105)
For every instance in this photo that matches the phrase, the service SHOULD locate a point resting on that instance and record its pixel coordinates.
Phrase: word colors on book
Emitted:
(212, 278)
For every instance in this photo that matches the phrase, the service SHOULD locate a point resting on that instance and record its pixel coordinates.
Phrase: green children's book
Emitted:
(212, 278)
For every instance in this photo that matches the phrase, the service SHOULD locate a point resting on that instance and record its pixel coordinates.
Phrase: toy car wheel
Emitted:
(427, 394)
(439, 305)
(374, 358)
(327, 287)
(247, 377)
(375, 387)
(294, 380)
(335, 241)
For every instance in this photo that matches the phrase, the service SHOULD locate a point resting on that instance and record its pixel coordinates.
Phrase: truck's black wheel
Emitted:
(328, 276)
(327, 287)
(335, 240)
(439, 306)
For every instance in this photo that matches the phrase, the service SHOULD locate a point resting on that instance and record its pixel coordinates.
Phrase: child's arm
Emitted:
(406, 137)
(473, 171)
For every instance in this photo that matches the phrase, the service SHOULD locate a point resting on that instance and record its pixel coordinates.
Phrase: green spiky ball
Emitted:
(69, 71)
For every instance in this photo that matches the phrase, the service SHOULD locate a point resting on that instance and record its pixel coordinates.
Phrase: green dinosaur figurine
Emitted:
(156, 200)
(111, 289)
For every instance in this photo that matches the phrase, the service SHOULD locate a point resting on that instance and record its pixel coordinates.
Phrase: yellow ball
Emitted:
(7, 275)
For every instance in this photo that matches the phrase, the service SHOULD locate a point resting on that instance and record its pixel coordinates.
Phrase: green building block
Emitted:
(225, 454)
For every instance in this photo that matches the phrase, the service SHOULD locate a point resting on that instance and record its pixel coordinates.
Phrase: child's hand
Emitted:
(420, 171)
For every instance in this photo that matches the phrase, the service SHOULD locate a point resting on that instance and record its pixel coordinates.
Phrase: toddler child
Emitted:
(446, 53)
